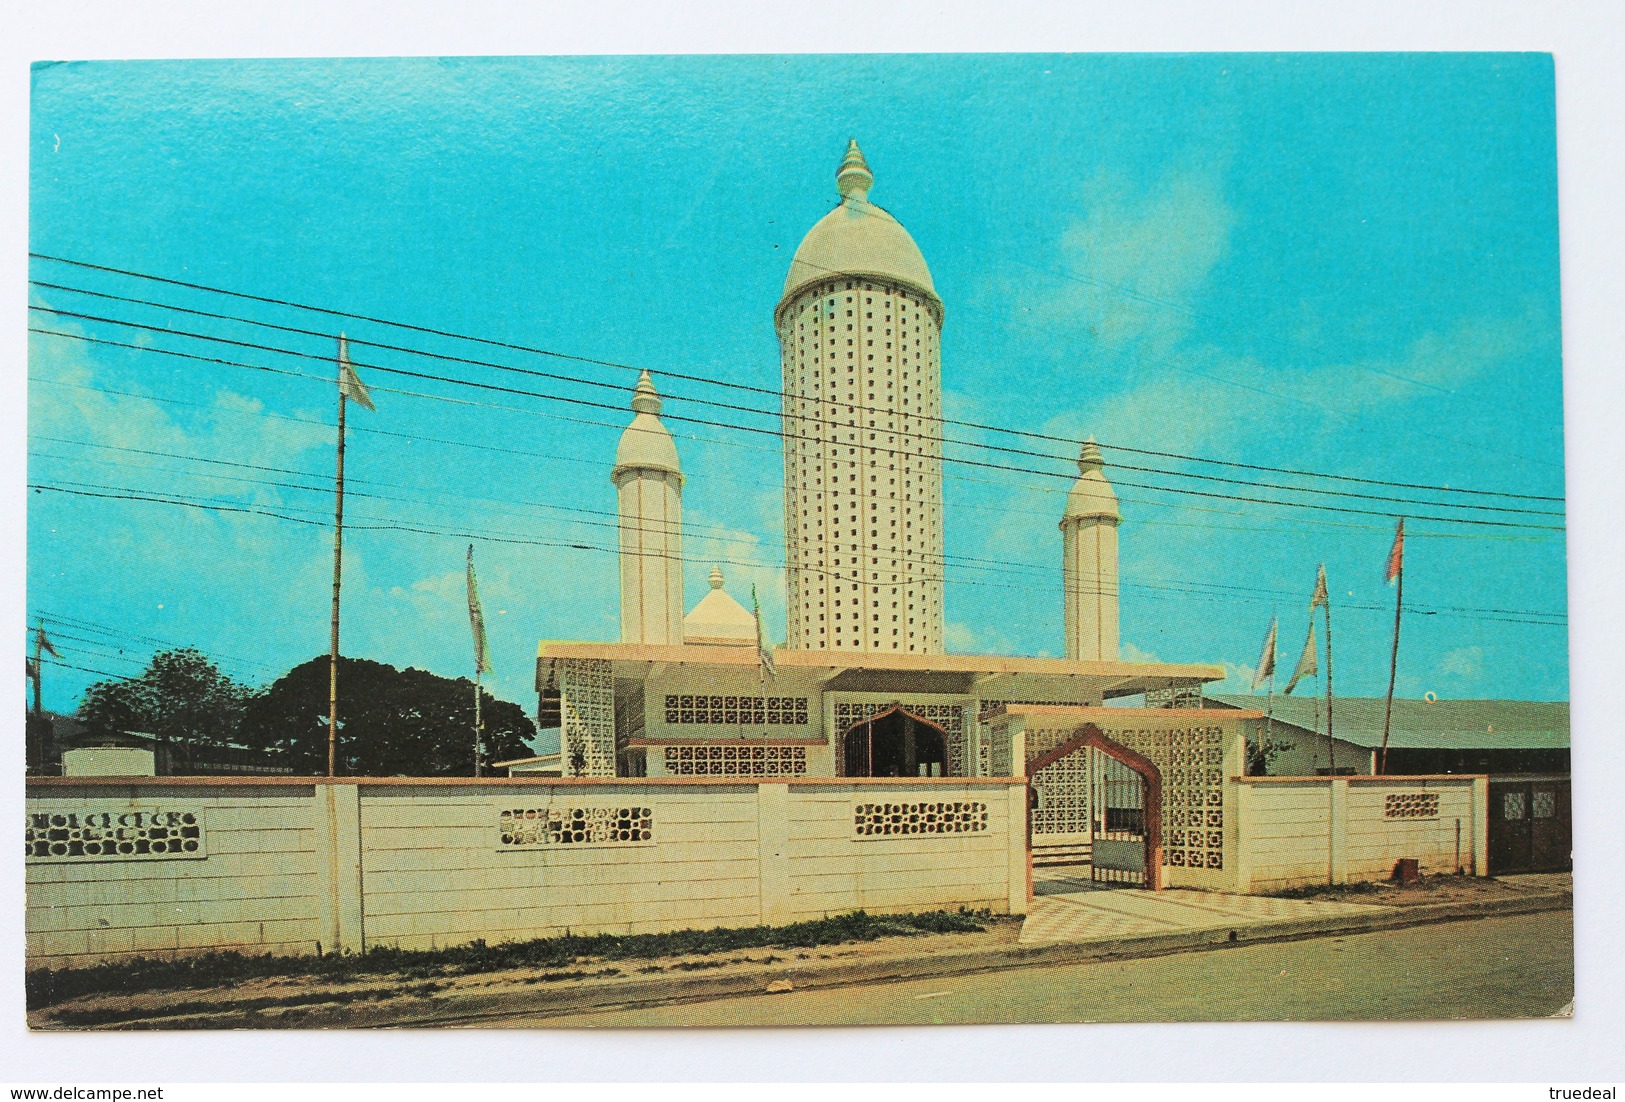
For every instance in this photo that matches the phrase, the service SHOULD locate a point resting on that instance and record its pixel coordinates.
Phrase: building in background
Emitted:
(862, 686)
(1522, 745)
(1498, 737)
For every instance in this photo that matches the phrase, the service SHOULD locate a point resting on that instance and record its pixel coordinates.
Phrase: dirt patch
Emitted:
(1429, 889)
(381, 997)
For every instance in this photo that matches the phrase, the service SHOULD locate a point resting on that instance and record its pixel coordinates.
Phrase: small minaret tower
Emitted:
(649, 483)
(1089, 550)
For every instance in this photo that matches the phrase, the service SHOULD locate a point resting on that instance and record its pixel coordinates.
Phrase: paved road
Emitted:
(1517, 966)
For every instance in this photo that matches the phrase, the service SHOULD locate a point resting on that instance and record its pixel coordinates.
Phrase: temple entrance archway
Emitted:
(1119, 793)
(894, 743)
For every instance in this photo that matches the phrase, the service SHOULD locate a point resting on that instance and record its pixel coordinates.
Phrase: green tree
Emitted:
(392, 722)
(181, 697)
(1261, 756)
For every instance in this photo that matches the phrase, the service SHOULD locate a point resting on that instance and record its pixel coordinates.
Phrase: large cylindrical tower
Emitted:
(649, 483)
(859, 326)
(1089, 558)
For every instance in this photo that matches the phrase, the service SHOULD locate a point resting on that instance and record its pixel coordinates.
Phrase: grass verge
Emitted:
(47, 987)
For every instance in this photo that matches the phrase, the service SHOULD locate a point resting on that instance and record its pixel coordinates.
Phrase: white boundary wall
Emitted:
(310, 866)
(1296, 831)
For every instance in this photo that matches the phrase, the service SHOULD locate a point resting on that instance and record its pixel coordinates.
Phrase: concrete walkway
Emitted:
(1067, 907)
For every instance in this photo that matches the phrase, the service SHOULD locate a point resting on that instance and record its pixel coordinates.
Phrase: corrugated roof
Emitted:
(1425, 725)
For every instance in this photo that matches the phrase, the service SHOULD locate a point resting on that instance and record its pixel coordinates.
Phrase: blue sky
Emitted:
(1331, 263)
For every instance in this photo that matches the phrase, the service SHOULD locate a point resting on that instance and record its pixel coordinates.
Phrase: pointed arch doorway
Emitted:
(1121, 803)
(894, 743)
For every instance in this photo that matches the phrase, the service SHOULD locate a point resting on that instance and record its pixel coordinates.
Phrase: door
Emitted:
(1511, 835)
(1549, 826)
(895, 743)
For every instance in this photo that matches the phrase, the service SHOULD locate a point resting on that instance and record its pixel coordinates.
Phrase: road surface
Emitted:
(1515, 966)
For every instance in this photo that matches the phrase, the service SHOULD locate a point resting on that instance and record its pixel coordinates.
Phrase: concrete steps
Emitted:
(1072, 853)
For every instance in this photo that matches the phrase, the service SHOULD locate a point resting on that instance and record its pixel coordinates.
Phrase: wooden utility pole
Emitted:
(39, 646)
(338, 576)
(350, 390)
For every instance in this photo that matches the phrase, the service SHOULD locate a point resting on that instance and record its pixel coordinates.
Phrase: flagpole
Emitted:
(476, 624)
(1393, 655)
(1269, 726)
(39, 646)
(477, 772)
(338, 574)
(1331, 740)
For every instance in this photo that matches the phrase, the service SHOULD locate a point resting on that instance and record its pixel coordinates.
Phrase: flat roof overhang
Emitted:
(878, 671)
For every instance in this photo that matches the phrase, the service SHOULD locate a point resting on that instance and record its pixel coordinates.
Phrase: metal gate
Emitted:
(1118, 850)
(1095, 800)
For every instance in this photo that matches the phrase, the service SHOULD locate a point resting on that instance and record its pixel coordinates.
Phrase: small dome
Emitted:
(646, 445)
(858, 238)
(718, 618)
(1092, 495)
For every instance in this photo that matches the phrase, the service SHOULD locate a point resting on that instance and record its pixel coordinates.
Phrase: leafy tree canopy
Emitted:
(391, 722)
(182, 698)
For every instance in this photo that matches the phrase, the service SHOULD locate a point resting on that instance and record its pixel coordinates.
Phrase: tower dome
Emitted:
(1091, 495)
(646, 444)
(860, 329)
(858, 238)
(719, 619)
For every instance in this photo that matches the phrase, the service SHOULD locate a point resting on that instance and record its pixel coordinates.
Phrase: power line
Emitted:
(87, 669)
(1000, 510)
(441, 530)
(781, 395)
(703, 534)
(853, 428)
(787, 415)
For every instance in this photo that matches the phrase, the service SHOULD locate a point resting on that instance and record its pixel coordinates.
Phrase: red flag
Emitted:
(1396, 556)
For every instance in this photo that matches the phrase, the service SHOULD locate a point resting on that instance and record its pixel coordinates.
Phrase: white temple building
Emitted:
(862, 686)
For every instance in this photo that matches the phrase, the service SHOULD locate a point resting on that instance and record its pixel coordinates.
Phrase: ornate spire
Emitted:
(716, 577)
(854, 179)
(1089, 458)
(645, 399)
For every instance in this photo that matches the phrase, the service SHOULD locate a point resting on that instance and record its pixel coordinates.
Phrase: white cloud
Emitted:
(1466, 663)
(1128, 652)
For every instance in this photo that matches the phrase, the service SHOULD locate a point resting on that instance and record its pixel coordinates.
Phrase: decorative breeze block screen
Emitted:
(1177, 696)
(736, 761)
(1410, 805)
(950, 717)
(878, 820)
(117, 835)
(579, 826)
(1545, 804)
(1062, 790)
(1191, 761)
(775, 711)
(990, 708)
(587, 708)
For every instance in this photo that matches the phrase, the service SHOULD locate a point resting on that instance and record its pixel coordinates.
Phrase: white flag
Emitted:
(476, 619)
(1308, 664)
(764, 653)
(1266, 662)
(1320, 597)
(349, 382)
